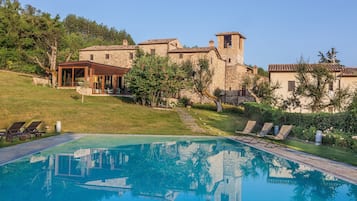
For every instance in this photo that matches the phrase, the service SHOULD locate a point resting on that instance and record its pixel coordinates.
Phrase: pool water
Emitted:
(113, 168)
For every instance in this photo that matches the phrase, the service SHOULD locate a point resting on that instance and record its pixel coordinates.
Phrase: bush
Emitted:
(309, 134)
(184, 101)
(263, 113)
(329, 139)
(337, 128)
(354, 145)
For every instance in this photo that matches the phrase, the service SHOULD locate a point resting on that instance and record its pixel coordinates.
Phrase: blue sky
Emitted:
(277, 31)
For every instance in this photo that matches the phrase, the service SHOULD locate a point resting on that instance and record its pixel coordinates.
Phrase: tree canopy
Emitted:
(315, 84)
(33, 41)
(153, 78)
(329, 57)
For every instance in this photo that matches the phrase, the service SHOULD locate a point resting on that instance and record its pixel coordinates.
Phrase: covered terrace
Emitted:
(101, 78)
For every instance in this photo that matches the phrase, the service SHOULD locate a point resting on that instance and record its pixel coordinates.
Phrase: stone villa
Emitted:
(285, 74)
(226, 61)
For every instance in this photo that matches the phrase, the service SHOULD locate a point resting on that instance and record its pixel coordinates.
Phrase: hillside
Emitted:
(20, 100)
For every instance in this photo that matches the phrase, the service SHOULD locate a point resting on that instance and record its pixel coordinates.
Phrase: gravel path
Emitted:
(189, 121)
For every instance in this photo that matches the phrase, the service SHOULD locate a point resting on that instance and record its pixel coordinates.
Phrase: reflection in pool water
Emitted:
(165, 168)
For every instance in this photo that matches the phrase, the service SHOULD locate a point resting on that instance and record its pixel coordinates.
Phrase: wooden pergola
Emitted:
(101, 78)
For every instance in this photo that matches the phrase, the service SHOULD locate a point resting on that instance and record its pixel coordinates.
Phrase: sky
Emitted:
(277, 31)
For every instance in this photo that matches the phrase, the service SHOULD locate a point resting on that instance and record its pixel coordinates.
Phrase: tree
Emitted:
(339, 98)
(291, 102)
(153, 78)
(330, 57)
(261, 89)
(312, 84)
(48, 34)
(202, 79)
(33, 42)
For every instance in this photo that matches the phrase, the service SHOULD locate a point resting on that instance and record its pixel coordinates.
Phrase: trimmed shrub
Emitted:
(337, 128)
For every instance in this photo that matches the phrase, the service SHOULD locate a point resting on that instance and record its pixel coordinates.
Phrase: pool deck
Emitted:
(340, 170)
(9, 154)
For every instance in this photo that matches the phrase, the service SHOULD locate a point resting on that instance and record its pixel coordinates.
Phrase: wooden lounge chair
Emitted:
(248, 127)
(283, 133)
(266, 129)
(14, 130)
(2, 134)
(32, 129)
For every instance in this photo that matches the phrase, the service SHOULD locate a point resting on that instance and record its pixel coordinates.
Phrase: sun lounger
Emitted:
(32, 129)
(248, 127)
(266, 129)
(2, 134)
(14, 130)
(283, 133)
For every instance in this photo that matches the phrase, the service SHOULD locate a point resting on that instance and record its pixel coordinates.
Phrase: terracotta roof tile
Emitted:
(110, 47)
(100, 69)
(157, 41)
(349, 72)
(294, 67)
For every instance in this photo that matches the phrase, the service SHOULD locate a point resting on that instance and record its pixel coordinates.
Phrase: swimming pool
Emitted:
(111, 168)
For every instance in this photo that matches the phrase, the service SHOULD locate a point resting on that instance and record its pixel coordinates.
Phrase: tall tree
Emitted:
(340, 98)
(313, 84)
(153, 78)
(48, 34)
(202, 79)
(260, 88)
(330, 57)
(32, 41)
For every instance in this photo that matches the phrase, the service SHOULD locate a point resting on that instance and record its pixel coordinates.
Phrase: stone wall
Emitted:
(121, 58)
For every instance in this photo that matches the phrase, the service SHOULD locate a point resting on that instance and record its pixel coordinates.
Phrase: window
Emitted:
(229, 60)
(330, 86)
(131, 56)
(91, 57)
(291, 85)
(244, 91)
(152, 52)
(106, 56)
(181, 56)
(227, 41)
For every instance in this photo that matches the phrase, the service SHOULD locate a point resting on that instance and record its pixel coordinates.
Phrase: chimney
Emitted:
(211, 44)
(255, 70)
(125, 42)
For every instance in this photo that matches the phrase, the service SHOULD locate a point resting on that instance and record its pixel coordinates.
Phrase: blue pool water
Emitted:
(113, 168)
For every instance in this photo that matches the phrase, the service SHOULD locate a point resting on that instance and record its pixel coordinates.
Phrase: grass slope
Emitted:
(20, 100)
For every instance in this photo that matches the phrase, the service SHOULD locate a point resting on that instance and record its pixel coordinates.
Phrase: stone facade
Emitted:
(286, 73)
(226, 61)
(115, 55)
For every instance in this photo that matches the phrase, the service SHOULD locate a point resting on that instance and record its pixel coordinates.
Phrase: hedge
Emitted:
(337, 128)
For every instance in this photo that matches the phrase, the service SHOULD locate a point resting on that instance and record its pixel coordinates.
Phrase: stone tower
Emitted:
(231, 47)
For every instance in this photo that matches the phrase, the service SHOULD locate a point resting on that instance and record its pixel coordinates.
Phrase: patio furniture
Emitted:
(14, 130)
(32, 129)
(283, 133)
(248, 127)
(266, 129)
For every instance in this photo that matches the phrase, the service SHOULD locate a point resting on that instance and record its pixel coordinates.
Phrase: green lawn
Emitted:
(20, 100)
(224, 123)
(227, 122)
(332, 153)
